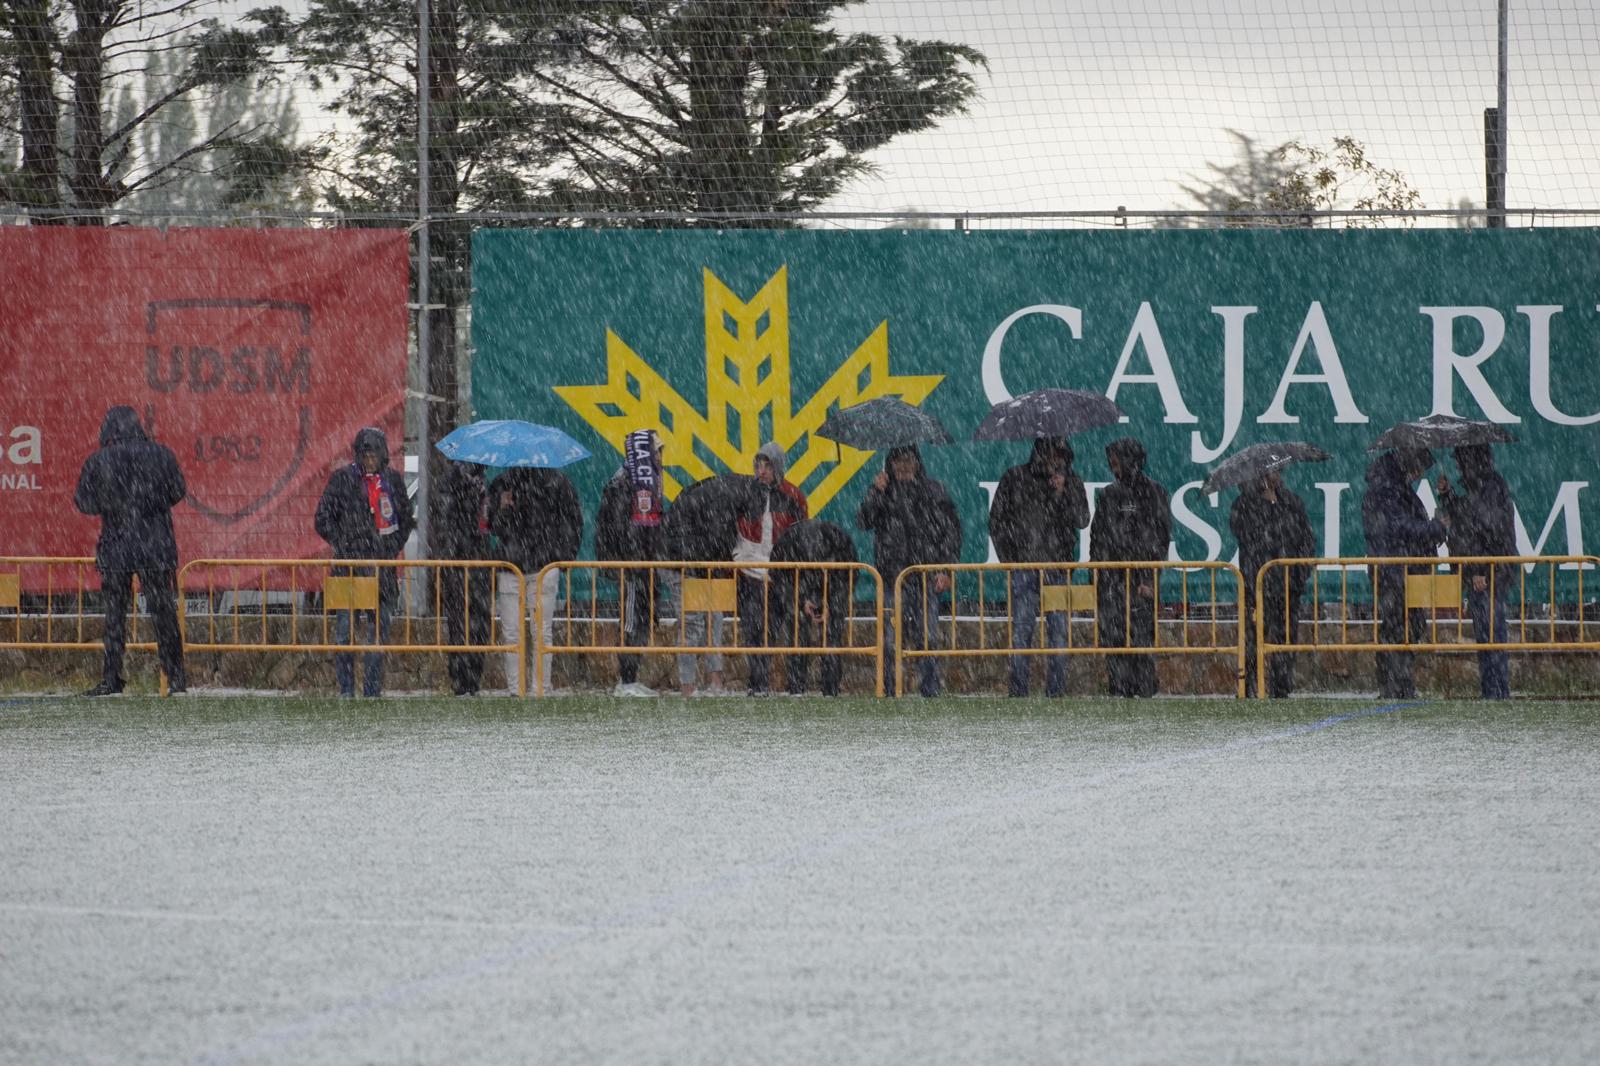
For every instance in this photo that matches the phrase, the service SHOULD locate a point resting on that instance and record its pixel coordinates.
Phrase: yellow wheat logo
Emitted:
(747, 373)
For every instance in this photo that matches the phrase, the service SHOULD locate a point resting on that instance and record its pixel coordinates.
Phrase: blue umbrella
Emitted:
(505, 443)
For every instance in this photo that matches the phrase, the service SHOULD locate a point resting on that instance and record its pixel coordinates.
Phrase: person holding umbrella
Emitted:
(913, 523)
(533, 514)
(1396, 524)
(1132, 522)
(1037, 511)
(537, 520)
(628, 529)
(773, 505)
(464, 592)
(1483, 522)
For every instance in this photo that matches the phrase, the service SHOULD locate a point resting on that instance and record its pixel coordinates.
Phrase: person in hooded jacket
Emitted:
(1037, 511)
(1269, 522)
(913, 523)
(464, 591)
(1397, 524)
(1132, 523)
(132, 483)
(772, 507)
(818, 601)
(628, 529)
(364, 513)
(1483, 522)
(536, 519)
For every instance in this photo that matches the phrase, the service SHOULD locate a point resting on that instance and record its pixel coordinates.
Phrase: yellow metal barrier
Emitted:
(1434, 605)
(586, 627)
(1199, 621)
(51, 603)
(283, 604)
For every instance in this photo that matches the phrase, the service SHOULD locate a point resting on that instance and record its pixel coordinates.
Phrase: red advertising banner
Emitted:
(255, 355)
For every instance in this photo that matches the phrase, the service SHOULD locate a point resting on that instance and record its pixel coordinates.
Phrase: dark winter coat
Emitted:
(913, 522)
(132, 483)
(815, 541)
(544, 523)
(344, 516)
(701, 526)
(1030, 522)
(616, 536)
(1132, 520)
(1392, 514)
(465, 503)
(1483, 519)
(1267, 531)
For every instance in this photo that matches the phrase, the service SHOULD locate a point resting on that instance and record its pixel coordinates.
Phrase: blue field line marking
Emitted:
(546, 943)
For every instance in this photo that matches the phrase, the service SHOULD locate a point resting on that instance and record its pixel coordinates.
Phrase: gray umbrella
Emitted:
(1258, 459)
(1048, 413)
(1441, 431)
(883, 422)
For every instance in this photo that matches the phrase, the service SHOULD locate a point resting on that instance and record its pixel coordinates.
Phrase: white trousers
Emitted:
(506, 605)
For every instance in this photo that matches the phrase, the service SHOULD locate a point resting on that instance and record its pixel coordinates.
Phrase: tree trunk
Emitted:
(450, 242)
(84, 61)
(41, 166)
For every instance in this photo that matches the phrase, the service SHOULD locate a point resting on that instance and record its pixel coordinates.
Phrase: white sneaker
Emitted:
(632, 688)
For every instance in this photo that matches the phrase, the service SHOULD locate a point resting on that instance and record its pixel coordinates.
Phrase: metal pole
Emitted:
(423, 263)
(1500, 102)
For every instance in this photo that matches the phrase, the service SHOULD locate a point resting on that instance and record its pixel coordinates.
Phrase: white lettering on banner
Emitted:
(25, 448)
(1567, 507)
(1232, 383)
(1331, 491)
(1539, 316)
(989, 487)
(1145, 331)
(1315, 331)
(1186, 518)
(994, 386)
(1448, 364)
(1091, 489)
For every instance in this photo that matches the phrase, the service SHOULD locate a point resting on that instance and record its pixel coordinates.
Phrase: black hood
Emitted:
(1396, 465)
(1130, 457)
(371, 439)
(121, 423)
(903, 450)
(1475, 461)
(1046, 447)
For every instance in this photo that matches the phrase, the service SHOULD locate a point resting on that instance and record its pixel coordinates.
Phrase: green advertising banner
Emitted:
(1209, 340)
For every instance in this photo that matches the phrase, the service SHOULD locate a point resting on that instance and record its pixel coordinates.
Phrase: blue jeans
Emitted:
(917, 630)
(1024, 619)
(1494, 667)
(344, 662)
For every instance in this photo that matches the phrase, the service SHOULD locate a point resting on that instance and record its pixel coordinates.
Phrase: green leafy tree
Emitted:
(1287, 186)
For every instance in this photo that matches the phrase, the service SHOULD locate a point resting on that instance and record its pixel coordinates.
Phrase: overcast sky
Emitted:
(1087, 106)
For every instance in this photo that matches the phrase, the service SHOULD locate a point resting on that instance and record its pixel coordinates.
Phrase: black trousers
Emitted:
(1280, 667)
(759, 619)
(639, 599)
(1127, 620)
(826, 634)
(1396, 625)
(160, 589)
(464, 596)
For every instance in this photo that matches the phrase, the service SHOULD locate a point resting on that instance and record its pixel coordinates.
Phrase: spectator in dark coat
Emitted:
(535, 516)
(628, 529)
(1483, 522)
(702, 527)
(365, 513)
(1397, 524)
(1037, 511)
(464, 591)
(132, 483)
(1269, 522)
(772, 506)
(816, 602)
(1132, 522)
(913, 523)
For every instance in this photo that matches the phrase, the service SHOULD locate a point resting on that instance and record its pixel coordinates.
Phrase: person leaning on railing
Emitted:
(364, 513)
(817, 601)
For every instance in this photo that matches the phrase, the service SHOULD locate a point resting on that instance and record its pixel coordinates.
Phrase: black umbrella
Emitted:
(1048, 413)
(884, 422)
(699, 526)
(1258, 459)
(1441, 431)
